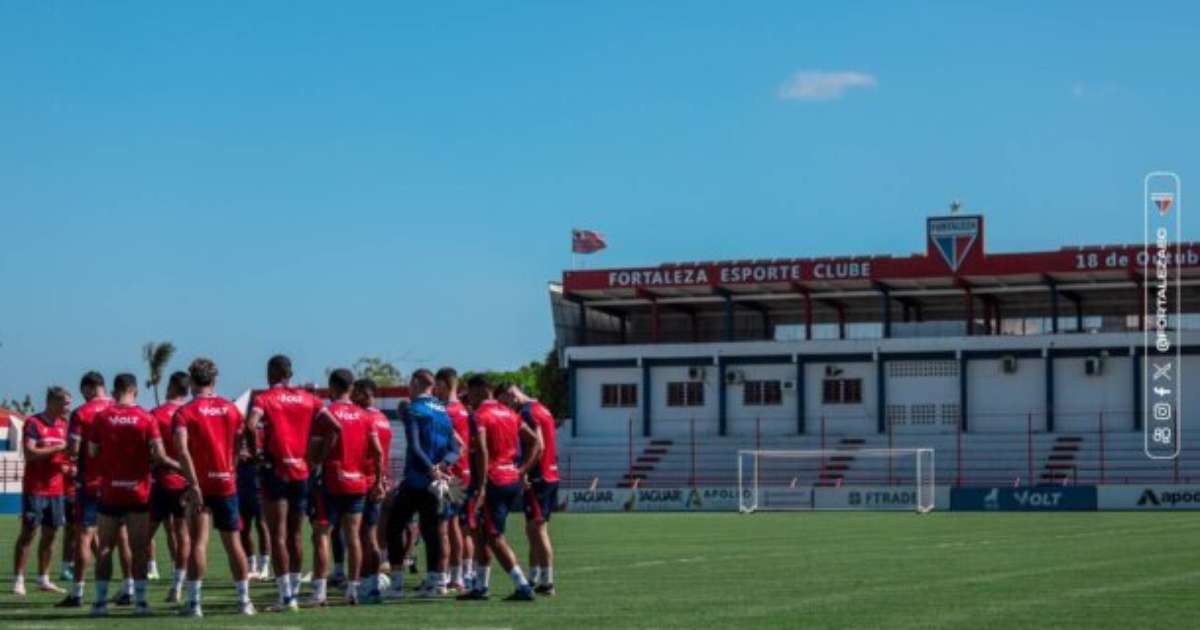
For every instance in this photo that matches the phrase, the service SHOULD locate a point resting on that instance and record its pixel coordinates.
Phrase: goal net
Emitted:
(825, 479)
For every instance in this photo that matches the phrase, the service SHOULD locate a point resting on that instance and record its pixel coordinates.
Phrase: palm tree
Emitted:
(157, 357)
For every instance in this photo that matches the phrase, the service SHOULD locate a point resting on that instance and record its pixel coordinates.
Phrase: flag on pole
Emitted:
(587, 242)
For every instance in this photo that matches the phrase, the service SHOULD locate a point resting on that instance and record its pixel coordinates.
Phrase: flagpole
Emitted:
(574, 256)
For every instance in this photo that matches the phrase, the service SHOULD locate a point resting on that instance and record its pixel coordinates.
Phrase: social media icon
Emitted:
(1162, 411)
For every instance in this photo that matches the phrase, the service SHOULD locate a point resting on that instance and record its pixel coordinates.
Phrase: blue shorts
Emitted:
(85, 508)
(294, 492)
(224, 512)
(249, 502)
(339, 505)
(498, 501)
(45, 511)
(371, 512)
(541, 499)
(164, 503)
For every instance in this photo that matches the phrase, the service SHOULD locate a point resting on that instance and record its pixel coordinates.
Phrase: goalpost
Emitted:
(836, 479)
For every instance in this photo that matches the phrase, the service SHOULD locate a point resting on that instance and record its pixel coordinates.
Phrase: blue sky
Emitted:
(399, 179)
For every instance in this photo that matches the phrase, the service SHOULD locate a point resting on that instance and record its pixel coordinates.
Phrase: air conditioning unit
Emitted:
(735, 377)
(789, 386)
(1093, 366)
(696, 373)
(1008, 363)
(832, 370)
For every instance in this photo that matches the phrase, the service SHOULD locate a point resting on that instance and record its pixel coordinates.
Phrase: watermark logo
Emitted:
(1162, 213)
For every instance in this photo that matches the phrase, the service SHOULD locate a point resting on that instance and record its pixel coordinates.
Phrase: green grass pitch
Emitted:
(826, 570)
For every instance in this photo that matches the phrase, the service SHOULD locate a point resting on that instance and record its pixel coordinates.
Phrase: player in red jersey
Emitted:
(44, 444)
(87, 493)
(461, 559)
(363, 395)
(124, 443)
(502, 436)
(541, 498)
(206, 431)
(346, 448)
(287, 414)
(167, 493)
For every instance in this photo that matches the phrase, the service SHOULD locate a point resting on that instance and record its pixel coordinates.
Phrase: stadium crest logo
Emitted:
(953, 237)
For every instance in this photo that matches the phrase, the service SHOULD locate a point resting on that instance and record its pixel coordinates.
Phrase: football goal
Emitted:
(832, 479)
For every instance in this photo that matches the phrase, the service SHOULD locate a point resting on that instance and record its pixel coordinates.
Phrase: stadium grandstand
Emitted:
(1018, 369)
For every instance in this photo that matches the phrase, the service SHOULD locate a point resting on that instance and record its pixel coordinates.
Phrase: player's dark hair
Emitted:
(424, 377)
(56, 394)
(203, 372)
(478, 381)
(501, 388)
(279, 368)
(91, 380)
(123, 383)
(179, 384)
(448, 376)
(340, 381)
(366, 386)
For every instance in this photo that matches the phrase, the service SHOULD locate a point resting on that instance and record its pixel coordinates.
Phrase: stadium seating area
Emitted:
(966, 459)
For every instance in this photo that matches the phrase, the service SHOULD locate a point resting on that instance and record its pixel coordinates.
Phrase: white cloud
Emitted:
(816, 85)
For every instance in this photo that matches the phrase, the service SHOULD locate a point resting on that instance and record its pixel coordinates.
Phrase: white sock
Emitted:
(253, 564)
(548, 576)
(101, 592)
(139, 591)
(456, 573)
(128, 587)
(353, 592)
(535, 574)
(19, 580)
(264, 563)
(243, 591)
(318, 587)
(43, 579)
(518, 578)
(77, 590)
(483, 577)
(194, 591)
(398, 580)
(177, 580)
(285, 589)
(294, 584)
(152, 567)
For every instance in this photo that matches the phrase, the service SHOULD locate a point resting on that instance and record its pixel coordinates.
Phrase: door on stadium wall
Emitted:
(922, 396)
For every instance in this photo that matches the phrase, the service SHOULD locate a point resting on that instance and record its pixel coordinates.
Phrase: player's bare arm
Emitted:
(187, 466)
(534, 442)
(159, 457)
(33, 452)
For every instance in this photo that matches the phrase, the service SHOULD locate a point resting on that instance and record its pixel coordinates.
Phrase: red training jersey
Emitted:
(460, 419)
(538, 417)
(166, 478)
(288, 414)
(502, 441)
(123, 433)
(383, 429)
(346, 458)
(44, 477)
(79, 429)
(213, 425)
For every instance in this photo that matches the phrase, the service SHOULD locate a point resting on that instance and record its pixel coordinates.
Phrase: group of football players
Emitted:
(113, 474)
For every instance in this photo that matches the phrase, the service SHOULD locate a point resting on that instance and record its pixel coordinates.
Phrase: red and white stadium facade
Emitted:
(953, 339)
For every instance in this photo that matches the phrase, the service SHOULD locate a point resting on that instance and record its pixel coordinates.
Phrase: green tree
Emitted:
(377, 369)
(157, 356)
(552, 385)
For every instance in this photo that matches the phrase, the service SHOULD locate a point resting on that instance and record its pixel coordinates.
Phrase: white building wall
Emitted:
(596, 420)
(1079, 399)
(1000, 402)
(909, 391)
(840, 418)
(675, 421)
(773, 419)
